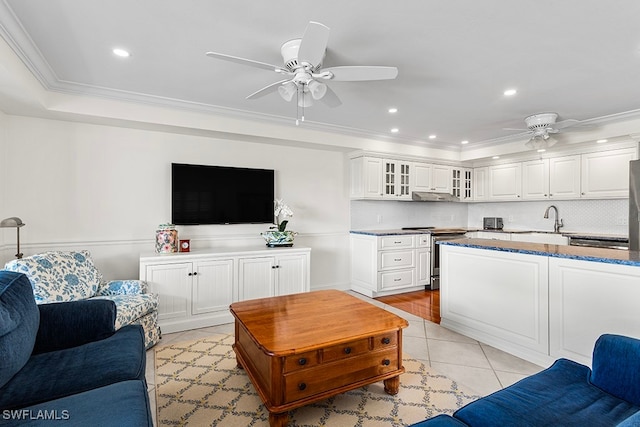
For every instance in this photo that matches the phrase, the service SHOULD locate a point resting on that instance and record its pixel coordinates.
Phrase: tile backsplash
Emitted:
(587, 216)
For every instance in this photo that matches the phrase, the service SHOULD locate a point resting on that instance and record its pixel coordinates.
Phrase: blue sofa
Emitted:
(65, 364)
(565, 394)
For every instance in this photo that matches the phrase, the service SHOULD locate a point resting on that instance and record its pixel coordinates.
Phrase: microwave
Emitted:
(492, 223)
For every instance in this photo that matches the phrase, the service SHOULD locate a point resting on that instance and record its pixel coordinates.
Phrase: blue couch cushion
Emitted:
(616, 367)
(117, 405)
(558, 396)
(19, 320)
(57, 374)
(440, 421)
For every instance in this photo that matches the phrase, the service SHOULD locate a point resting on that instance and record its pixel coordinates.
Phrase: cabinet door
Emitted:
(366, 178)
(480, 183)
(441, 178)
(172, 283)
(606, 174)
(291, 271)
(212, 286)
(396, 179)
(461, 183)
(505, 181)
(422, 177)
(564, 177)
(423, 270)
(535, 180)
(256, 277)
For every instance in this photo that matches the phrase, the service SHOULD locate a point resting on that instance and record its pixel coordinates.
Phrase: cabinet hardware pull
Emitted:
(386, 340)
(190, 274)
(275, 266)
(302, 361)
(347, 350)
(397, 280)
(397, 259)
(195, 273)
(386, 362)
(302, 386)
(396, 243)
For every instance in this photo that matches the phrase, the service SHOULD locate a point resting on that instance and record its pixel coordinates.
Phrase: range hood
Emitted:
(427, 196)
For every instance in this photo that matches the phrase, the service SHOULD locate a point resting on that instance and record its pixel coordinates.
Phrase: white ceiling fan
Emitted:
(542, 125)
(303, 70)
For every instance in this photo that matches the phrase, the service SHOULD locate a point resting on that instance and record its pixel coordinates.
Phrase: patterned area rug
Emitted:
(198, 384)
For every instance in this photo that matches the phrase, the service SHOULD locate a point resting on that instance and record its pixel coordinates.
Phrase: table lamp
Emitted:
(17, 223)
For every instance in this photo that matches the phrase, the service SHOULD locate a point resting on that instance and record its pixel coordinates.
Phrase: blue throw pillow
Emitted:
(19, 322)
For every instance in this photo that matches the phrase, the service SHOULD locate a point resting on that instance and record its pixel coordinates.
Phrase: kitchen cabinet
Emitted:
(366, 178)
(564, 177)
(606, 174)
(535, 180)
(396, 176)
(462, 183)
(195, 289)
(389, 264)
(492, 235)
(505, 181)
(480, 183)
(431, 178)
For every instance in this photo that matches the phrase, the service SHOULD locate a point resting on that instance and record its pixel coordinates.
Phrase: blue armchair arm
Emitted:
(616, 366)
(122, 287)
(70, 324)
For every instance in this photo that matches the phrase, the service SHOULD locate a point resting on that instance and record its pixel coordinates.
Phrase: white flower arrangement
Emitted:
(282, 211)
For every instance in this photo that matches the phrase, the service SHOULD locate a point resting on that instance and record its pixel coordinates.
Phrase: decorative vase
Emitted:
(166, 239)
(275, 238)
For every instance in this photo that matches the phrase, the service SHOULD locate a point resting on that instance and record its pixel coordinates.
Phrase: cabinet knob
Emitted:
(386, 340)
(190, 274)
(195, 273)
(347, 350)
(302, 386)
(275, 266)
(302, 361)
(386, 362)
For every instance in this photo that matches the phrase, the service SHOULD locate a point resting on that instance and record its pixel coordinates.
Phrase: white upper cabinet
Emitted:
(606, 174)
(535, 180)
(366, 178)
(480, 183)
(396, 179)
(564, 177)
(505, 181)
(431, 178)
(462, 183)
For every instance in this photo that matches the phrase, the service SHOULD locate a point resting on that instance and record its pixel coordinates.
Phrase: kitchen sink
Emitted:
(540, 237)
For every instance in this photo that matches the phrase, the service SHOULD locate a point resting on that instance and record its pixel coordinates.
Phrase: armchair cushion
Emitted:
(58, 276)
(70, 324)
(52, 375)
(19, 320)
(616, 366)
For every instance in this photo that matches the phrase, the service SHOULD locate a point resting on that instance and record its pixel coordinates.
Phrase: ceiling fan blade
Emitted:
(575, 125)
(361, 73)
(266, 90)
(313, 44)
(330, 99)
(249, 62)
(518, 129)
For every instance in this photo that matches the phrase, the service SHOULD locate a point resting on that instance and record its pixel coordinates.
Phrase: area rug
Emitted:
(198, 384)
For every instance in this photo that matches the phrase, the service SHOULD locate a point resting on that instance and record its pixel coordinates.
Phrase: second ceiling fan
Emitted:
(304, 76)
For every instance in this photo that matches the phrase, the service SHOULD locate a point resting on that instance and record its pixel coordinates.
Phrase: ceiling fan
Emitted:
(542, 125)
(304, 75)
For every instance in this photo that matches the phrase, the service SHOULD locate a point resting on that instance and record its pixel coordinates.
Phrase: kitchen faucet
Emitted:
(557, 224)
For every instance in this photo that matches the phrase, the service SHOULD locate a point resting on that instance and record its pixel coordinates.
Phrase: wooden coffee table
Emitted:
(302, 348)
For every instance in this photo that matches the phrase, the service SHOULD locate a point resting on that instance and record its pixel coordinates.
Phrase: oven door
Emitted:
(435, 256)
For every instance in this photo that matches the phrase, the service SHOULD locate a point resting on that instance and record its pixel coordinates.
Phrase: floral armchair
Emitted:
(58, 276)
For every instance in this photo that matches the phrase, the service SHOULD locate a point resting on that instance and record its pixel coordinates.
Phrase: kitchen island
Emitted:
(539, 301)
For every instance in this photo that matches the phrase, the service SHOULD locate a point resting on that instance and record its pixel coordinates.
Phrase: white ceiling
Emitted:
(455, 58)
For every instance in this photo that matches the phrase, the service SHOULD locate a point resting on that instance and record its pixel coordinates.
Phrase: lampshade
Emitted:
(317, 89)
(541, 141)
(13, 221)
(287, 91)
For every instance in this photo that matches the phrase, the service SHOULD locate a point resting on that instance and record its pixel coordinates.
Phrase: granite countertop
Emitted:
(611, 256)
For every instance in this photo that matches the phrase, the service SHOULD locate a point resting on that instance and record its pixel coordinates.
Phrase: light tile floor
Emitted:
(480, 367)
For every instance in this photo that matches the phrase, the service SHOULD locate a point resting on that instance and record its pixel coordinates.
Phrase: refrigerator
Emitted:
(634, 205)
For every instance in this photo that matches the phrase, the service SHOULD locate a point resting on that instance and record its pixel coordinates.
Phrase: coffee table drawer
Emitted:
(300, 361)
(388, 340)
(345, 350)
(325, 377)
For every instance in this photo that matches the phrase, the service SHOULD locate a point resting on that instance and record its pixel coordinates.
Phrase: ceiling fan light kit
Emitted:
(302, 60)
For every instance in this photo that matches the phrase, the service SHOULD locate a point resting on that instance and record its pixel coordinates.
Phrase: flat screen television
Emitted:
(203, 194)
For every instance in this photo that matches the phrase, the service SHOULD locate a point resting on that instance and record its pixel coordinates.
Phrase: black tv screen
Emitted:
(221, 195)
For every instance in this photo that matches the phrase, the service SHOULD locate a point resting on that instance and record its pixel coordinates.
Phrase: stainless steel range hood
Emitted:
(427, 196)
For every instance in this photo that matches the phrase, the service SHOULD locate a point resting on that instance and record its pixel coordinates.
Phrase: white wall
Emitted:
(106, 189)
(3, 177)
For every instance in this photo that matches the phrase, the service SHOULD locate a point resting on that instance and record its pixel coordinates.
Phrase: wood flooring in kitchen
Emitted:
(425, 304)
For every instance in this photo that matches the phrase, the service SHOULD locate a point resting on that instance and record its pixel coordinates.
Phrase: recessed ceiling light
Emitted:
(495, 157)
(464, 142)
(432, 137)
(393, 110)
(510, 92)
(121, 53)
(542, 150)
(394, 130)
(600, 141)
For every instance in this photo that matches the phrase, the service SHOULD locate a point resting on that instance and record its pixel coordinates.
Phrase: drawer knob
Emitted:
(302, 386)
(386, 340)
(386, 362)
(347, 350)
(302, 361)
